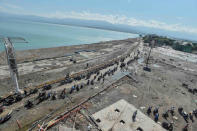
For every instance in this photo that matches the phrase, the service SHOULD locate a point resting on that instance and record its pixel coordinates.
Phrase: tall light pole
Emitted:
(146, 68)
(11, 58)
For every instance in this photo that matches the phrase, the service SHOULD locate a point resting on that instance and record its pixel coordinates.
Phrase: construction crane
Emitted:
(11, 58)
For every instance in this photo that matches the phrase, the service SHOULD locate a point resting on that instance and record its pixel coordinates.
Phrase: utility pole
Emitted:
(146, 68)
(11, 59)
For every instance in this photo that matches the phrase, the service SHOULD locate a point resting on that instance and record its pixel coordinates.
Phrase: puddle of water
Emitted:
(155, 65)
(140, 60)
(119, 75)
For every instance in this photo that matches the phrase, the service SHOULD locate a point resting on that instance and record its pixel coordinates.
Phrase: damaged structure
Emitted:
(107, 89)
(118, 117)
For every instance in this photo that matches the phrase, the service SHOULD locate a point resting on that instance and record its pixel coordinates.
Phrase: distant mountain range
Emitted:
(102, 25)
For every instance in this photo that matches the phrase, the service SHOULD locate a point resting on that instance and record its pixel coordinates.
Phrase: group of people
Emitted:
(187, 116)
(18, 97)
(76, 87)
(44, 94)
(168, 126)
(191, 90)
(171, 111)
(98, 76)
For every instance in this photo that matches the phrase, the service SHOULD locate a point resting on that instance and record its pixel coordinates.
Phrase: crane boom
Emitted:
(11, 59)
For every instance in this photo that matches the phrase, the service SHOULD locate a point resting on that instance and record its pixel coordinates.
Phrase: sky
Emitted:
(168, 15)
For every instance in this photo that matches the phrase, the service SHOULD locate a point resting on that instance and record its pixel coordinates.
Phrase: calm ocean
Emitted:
(44, 35)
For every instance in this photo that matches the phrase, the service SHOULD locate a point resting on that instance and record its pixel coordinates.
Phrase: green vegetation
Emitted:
(160, 41)
(180, 45)
(194, 48)
(184, 48)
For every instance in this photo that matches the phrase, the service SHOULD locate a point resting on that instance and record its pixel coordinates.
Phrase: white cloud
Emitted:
(9, 8)
(121, 19)
(114, 19)
(179, 18)
(13, 6)
(2, 9)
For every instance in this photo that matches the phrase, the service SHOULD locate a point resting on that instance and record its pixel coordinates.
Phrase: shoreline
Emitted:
(75, 25)
(55, 52)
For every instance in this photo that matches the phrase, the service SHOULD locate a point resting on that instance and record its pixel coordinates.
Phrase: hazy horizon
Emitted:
(171, 18)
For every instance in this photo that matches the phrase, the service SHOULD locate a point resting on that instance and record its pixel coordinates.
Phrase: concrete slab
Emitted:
(118, 117)
(119, 75)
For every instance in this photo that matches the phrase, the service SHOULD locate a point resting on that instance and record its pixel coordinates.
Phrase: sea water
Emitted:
(46, 35)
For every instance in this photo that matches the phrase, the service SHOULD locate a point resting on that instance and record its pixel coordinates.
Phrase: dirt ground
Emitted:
(25, 116)
(53, 63)
(162, 87)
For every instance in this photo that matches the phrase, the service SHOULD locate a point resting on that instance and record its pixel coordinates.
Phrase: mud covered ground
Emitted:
(53, 63)
(162, 87)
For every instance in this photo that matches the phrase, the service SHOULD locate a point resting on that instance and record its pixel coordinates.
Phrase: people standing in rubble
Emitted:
(41, 97)
(165, 115)
(185, 116)
(81, 86)
(54, 96)
(103, 79)
(149, 110)
(62, 95)
(49, 94)
(170, 128)
(134, 116)
(156, 110)
(94, 77)
(25, 92)
(92, 82)
(180, 110)
(1, 109)
(195, 113)
(28, 104)
(72, 89)
(77, 87)
(186, 127)
(88, 82)
(191, 117)
(156, 117)
(172, 111)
